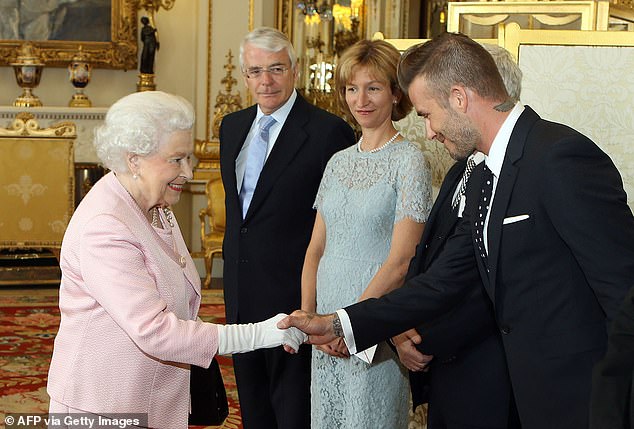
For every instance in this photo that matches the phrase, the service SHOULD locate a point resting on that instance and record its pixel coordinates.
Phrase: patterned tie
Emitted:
(483, 208)
(463, 183)
(256, 156)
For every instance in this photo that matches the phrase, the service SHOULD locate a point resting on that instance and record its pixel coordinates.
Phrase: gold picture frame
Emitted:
(118, 53)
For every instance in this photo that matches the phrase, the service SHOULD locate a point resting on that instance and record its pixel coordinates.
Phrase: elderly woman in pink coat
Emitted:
(130, 293)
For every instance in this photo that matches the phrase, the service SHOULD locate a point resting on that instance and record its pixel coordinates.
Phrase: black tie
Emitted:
(483, 208)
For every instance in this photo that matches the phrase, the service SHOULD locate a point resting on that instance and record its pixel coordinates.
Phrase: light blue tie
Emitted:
(256, 156)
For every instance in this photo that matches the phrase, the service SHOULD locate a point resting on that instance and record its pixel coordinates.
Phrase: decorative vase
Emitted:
(79, 71)
(28, 71)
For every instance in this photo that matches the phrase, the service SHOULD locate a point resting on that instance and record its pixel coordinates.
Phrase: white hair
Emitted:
(139, 123)
(268, 39)
(508, 68)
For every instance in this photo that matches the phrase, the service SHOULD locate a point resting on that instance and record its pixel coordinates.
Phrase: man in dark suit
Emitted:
(466, 383)
(555, 251)
(270, 219)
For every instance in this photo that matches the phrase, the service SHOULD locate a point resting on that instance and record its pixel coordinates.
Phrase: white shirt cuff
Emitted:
(348, 335)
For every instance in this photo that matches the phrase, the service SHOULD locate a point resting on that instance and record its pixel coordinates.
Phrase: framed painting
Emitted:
(105, 29)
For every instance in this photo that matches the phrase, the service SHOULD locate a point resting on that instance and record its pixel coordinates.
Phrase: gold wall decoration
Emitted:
(118, 53)
(153, 6)
(208, 151)
(226, 101)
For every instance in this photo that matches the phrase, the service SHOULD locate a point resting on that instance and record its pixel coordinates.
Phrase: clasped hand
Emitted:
(319, 329)
(409, 355)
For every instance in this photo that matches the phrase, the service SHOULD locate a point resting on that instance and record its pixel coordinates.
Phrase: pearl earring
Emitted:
(395, 101)
(135, 176)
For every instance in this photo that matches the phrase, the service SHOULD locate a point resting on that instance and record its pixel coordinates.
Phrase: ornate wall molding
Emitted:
(84, 119)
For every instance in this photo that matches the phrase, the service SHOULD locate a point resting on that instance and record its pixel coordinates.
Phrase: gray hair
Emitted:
(509, 70)
(140, 123)
(268, 39)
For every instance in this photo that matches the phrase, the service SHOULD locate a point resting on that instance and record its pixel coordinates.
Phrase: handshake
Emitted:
(281, 330)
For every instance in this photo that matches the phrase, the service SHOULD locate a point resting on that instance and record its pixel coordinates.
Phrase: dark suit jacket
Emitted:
(264, 253)
(555, 278)
(612, 405)
(468, 380)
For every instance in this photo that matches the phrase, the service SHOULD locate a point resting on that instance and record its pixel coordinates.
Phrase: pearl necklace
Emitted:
(376, 149)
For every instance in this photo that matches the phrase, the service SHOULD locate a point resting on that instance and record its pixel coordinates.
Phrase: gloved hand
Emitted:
(252, 336)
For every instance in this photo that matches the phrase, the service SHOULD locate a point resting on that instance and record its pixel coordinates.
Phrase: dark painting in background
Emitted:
(86, 20)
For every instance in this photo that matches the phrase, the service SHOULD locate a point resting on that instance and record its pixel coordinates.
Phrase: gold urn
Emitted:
(79, 72)
(28, 71)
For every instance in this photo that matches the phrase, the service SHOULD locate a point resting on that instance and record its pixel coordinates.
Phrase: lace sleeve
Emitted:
(413, 182)
(324, 185)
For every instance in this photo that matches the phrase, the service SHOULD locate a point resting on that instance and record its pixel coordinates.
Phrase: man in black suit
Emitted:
(555, 252)
(466, 383)
(270, 219)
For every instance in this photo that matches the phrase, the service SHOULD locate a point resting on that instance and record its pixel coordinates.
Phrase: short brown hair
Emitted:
(381, 59)
(450, 59)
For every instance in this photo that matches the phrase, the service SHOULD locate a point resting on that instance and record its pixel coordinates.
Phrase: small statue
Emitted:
(150, 45)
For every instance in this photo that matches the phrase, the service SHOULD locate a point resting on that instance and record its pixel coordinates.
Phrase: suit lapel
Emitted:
(444, 199)
(504, 189)
(288, 143)
(417, 265)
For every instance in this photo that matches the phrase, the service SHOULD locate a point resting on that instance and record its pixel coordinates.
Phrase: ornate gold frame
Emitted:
(119, 53)
(515, 37)
(554, 13)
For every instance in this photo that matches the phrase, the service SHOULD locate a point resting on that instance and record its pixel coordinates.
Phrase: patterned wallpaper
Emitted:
(413, 128)
(589, 88)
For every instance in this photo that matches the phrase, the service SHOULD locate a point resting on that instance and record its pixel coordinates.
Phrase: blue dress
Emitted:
(361, 197)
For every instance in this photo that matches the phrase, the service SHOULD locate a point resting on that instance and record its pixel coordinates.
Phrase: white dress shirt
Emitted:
(280, 116)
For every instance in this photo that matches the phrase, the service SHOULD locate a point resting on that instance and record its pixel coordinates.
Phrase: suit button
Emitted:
(505, 329)
(243, 261)
(244, 230)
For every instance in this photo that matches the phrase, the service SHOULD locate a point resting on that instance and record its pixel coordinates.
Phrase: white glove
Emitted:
(252, 336)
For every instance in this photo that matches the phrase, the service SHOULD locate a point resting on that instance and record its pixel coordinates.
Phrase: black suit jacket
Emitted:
(554, 278)
(468, 380)
(264, 253)
(612, 405)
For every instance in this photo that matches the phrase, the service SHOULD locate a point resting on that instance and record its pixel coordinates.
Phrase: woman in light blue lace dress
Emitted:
(371, 207)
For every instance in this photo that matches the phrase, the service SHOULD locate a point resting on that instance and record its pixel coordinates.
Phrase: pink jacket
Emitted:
(128, 304)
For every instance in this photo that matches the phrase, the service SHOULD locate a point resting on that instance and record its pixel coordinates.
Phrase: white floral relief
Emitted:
(588, 88)
(58, 226)
(25, 224)
(58, 153)
(25, 188)
(25, 150)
